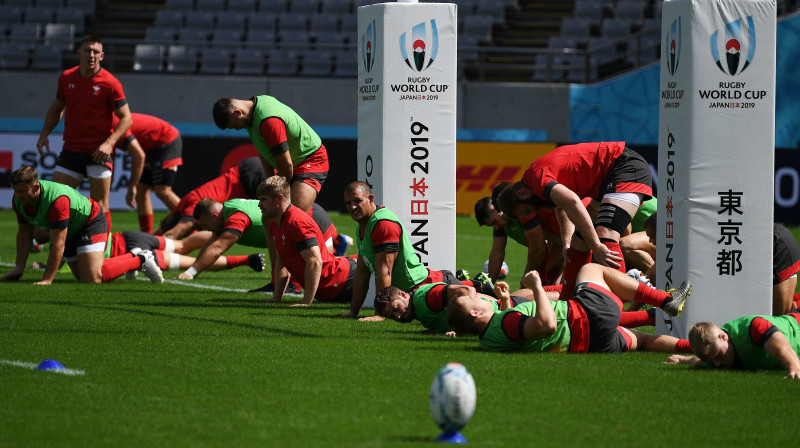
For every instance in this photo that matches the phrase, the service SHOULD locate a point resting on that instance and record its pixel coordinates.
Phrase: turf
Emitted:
(181, 366)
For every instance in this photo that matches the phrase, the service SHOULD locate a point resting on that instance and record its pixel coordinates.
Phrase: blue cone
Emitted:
(50, 364)
(451, 437)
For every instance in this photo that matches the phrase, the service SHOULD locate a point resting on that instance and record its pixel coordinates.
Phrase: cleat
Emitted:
(256, 262)
(483, 279)
(269, 288)
(674, 305)
(292, 289)
(150, 267)
(131, 275)
(343, 242)
(36, 247)
(462, 274)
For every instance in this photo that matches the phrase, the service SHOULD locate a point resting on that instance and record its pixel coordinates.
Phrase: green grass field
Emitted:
(177, 365)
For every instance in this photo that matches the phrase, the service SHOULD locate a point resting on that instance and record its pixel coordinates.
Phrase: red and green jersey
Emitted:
(504, 332)
(151, 132)
(430, 306)
(59, 207)
(90, 105)
(266, 133)
(749, 334)
(243, 218)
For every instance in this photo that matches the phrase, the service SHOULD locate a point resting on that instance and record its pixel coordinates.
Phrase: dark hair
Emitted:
(651, 222)
(483, 209)
(221, 112)
(357, 185)
(203, 208)
(23, 175)
(92, 38)
(384, 297)
(496, 192)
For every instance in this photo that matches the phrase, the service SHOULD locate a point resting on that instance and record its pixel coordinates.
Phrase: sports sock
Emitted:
(108, 220)
(162, 263)
(650, 296)
(553, 288)
(634, 319)
(234, 261)
(146, 223)
(682, 346)
(115, 267)
(577, 260)
(614, 246)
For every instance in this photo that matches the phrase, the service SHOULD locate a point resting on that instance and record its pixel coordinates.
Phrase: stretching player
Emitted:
(751, 342)
(78, 232)
(608, 172)
(588, 322)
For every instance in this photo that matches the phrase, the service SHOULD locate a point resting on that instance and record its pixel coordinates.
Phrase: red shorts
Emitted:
(313, 170)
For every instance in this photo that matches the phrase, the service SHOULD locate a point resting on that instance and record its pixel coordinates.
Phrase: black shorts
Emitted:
(154, 172)
(78, 161)
(785, 254)
(144, 241)
(516, 300)
(346, 294)
(603, 314)
(629, 174)
(95, 231)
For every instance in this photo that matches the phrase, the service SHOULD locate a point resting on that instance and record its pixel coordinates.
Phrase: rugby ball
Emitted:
(452, 397)
(503, 270)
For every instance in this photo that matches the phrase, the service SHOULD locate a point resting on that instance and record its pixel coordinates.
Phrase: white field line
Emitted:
(31, 366)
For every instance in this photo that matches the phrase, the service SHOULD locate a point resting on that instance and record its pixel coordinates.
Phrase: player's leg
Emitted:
(303, 195)
(656, 343)
(192, 242)
(637, 251)
(144, 207)
(100, 187)
(782, 296)
(615, 213)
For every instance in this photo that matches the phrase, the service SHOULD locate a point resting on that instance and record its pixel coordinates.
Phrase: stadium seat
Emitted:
(575, 28)
(274, 6)
(345, 64)
(466, 7)
(159, 35)
(306, 7)
(601, 51)
(87, 6)
(323, 22)
(339, 7)
(210, 5)
(18, 3)
(260, 36)
(179, 5)
(317, 63)
(47, 57)
(349, 24)
(49, 4)
(562, 42)
(495, 9)
(329, 39)
(38, 15)
(226, 38)
(293, 37)
(74, 16)
(200, 20)
(14, 56)
(633, 10)
(247, 61)
(232, 20)
(615, 28)
(478, 26)
(548, 68)
(294, 22)
(180, 59)
(589, 10)
(262, 21)
(25, 34)
(61, 35)
(148, 58)
(196, 36)
(281, 62)
(215, 61)
(246, 6)
(10, 15)
(169, 19)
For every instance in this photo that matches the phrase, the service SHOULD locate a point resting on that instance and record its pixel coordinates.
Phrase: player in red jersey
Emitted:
(298, 241)
(155, 147)
(609, 173)
(88, 96)
(239, 181)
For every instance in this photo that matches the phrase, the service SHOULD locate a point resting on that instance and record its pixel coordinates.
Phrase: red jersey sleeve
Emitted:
(58, 215)
(385, 236)
(237, 223)
(303, 234)
(436, 298)
(514, 325)
(761, 330)
(273, 130)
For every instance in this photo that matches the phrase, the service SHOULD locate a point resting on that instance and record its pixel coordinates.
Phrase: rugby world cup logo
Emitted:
(368, 46)
(673, 46)
(734, 45)
(424, 45)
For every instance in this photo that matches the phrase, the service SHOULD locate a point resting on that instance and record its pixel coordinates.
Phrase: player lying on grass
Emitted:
(751, 342)
(588, 322)
(77, 230)
(428, 303)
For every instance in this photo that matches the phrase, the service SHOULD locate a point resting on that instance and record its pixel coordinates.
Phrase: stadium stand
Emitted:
(148, 58)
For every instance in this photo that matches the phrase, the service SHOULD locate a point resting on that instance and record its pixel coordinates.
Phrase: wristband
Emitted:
(192, 272)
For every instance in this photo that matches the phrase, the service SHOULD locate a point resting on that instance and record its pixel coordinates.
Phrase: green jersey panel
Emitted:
(79, 207)
(254, 236)
(753, 356)
(495, 339)
(647, 208)
(302, 140)
(516, 232)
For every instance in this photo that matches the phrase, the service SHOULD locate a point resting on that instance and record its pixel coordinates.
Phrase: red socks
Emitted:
(650, 296)
(146, 223)
(682, 346)
(115, 267)
(234, 261)
(577, 260)
(634, 319)
(108, 220)
(614, 246)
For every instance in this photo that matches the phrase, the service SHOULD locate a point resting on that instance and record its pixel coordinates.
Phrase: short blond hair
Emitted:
(274, 186)
(702, 337)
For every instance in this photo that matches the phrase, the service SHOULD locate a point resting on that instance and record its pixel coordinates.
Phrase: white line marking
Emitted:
(31, 366)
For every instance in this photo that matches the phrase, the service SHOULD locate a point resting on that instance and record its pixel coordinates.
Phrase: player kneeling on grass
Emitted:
(428, 304)
(77, 230)
(588, 322)
(235, 221)
(751, 342)
(297, 239)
